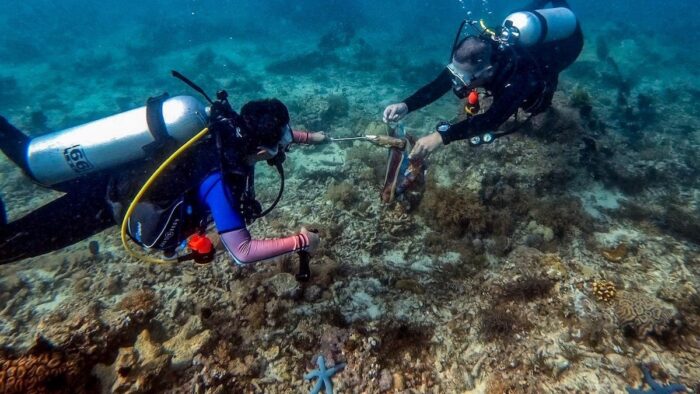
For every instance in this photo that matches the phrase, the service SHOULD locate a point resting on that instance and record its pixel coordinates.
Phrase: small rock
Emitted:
(617, 362)
(385, 380)
(409, 285)
(312, 293)
(533, 240)
(399, 383)
(112, 286)
(81, 285)
(633, 375)
(94, 248)
(189, 341)
(558, 365)
(284, 285)
(188, 278)
(10, 283)
(271, 353)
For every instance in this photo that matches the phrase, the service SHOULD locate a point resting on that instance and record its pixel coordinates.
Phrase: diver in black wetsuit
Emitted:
(517, 75)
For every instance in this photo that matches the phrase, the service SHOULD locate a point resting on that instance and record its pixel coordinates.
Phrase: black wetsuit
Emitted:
(524, 78)
(80, 213)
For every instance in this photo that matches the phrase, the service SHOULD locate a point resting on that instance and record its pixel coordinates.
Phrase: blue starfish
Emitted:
(656, 388)
(324, 376)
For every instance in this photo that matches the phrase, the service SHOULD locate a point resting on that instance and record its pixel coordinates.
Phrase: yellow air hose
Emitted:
(486, 28)
(143, 191)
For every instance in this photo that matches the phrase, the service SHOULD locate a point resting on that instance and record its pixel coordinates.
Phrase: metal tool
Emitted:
(379, 140)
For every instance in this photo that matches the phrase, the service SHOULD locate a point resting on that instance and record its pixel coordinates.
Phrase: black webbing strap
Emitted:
(3, 216)
(156, 123)
(545, 28)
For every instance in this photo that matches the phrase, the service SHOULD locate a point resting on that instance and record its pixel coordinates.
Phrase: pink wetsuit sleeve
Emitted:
(300, 137)
(246, 250)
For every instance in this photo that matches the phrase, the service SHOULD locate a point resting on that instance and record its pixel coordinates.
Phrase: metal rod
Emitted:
(348, 138)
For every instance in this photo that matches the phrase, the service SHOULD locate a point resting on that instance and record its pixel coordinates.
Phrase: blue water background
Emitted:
(77, 60)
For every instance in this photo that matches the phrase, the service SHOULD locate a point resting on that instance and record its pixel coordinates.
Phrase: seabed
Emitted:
(560, 259)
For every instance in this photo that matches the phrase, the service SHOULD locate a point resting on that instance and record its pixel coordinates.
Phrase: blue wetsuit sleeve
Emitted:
(212, 193)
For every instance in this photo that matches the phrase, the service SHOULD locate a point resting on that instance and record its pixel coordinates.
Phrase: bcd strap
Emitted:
(3, 216)
(156, 123)
(543, 23)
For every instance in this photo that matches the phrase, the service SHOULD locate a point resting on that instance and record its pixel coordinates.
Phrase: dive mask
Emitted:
(462, 81)
(460, 77)
(284, 142)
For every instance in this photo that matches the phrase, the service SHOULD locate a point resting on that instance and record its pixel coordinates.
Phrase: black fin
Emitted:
(14, 143)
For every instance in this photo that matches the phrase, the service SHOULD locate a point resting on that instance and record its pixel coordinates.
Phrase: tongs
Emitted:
(379, 140)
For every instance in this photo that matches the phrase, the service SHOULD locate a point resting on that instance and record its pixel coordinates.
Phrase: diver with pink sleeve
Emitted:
(212, 181)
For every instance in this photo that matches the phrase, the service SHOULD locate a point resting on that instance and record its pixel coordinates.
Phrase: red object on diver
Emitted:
(473, 98)
(200, 244)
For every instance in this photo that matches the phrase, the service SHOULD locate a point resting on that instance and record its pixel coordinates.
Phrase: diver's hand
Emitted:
(395, 112)
(314, 239)
(426, 145)
(318, 137)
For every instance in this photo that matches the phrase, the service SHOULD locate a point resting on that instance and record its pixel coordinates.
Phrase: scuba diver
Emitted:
(519, 65)
(100, 165)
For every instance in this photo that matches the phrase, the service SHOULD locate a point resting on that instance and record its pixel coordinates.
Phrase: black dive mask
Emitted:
(463, 83)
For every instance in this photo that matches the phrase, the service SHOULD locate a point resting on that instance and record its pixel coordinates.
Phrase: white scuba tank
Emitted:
(540, 26)
(106, 143)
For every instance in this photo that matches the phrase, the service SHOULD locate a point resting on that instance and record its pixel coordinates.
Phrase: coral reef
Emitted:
(615, 254)
(43, 370)
(528, 288)
(604, 290)
(486, 287)
(343, 195)
(136, 369)
(452, 212)
(86, 329)
(581, 100)
(144, 366)
(189, 341)
(303, 63)
(337, 108)
(321, 112)
(500, 324)
(640, 315)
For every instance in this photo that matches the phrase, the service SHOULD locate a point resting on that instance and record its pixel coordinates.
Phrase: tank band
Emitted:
(156, 123)
(545, 28)
(3, 215)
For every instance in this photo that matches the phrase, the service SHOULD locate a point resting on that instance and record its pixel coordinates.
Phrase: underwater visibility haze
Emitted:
(513, 207)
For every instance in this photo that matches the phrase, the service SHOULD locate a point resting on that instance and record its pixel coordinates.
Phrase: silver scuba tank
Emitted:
(539, 26)
(106, 143)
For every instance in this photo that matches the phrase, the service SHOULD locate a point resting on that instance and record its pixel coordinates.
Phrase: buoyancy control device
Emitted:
(118, 139)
